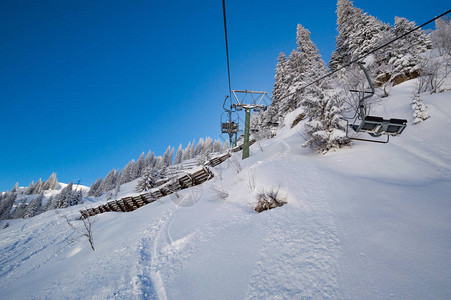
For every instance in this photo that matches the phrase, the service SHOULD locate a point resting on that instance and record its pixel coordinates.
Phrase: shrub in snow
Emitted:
(268, 200)
(419, 110)
(83, 231)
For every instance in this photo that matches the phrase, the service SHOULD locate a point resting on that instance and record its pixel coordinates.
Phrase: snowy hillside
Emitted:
(367, 222)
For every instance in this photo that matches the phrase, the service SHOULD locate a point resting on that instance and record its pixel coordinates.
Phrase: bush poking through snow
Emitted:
(268, 200)
(419, 110)
(85, 231)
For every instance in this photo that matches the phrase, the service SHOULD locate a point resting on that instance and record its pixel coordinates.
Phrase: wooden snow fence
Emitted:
(167, 187)
(240, 147)
(132, 203)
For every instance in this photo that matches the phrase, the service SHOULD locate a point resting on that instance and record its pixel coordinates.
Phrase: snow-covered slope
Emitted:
(367, 222)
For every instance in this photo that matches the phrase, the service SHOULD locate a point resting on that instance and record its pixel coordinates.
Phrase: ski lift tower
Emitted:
(247, 100)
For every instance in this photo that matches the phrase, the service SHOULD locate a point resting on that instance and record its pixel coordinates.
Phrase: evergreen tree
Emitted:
(199, 147)
(109, 182)
(63, 199)
(48, 204)
(325, 130)
(280, 90)
(166, 157)
(51, 183)
(208, 145)
(19, 211)
(139, 167)
(186, 153)
(15, 188)
(38, 187)
(96, 188)
(29, 189)
(441, 36)
(6, 205)
(127, 173)
(226, 145)
(149, 161)
(217, 146)
(358, 34)
(34, 207)
(149, 179)
(178, 155)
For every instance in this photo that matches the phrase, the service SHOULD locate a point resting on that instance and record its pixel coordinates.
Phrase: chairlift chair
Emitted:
(373, 125)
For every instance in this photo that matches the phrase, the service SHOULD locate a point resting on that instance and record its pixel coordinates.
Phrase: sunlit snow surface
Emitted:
(368, 222)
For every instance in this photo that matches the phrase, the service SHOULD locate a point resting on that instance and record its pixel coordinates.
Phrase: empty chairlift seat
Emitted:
(377, 126)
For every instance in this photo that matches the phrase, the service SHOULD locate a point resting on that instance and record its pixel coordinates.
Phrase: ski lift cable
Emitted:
(227, 47)
(371, 52)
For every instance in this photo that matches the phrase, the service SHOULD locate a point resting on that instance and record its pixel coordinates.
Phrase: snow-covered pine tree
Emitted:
(159, 165)
(19, 211)
(74, 198)
(34, 207)
(403, 57)
(186, 152)
(148, 180)
(217, 146)
(15, 188)
(29, 189)
(304, 65)
(166, 160)
(358, 34)
(178, 155)
(149, 161)
(62, 200)
(226, 145)
(96, 188)
(38, 187)
(128, 172)
(208, 145)
(7, 204)
(109, 182)
(441, 36)
(324, 128)
(139, 166)
(48, 204)
(51, 183)
(199, 147)
(280, 89)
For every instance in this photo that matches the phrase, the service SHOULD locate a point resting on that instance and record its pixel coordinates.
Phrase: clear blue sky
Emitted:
(85, 86)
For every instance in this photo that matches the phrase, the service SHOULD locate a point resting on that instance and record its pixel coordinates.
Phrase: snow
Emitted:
(367, 222)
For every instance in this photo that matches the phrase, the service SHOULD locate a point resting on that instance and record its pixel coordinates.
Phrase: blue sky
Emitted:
(85, 86)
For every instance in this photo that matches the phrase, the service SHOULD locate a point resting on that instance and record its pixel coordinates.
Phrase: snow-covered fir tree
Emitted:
(149, 179)
(217, 146)
(128, 172)
(109, 182)
(324, 128)
(441, 36)
(187, 152)
(51, 183)
(149, 161)
(19, 211)
(7, 204)
(199, 147)
(139, 166)
(96, 188)
(358, 34)
(34, 207)
(62, 199)
(178, 155)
